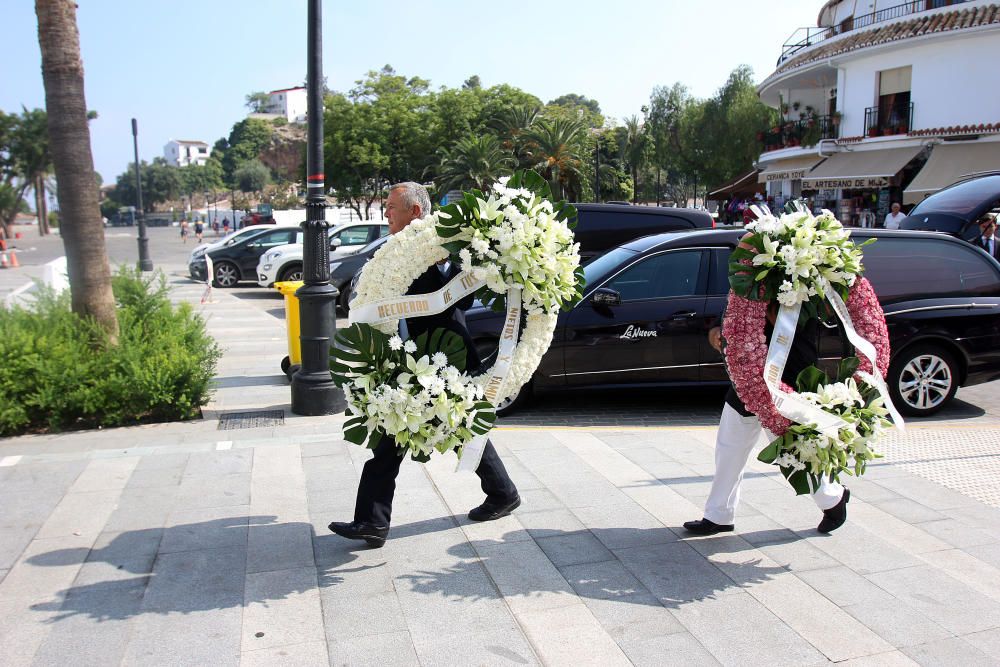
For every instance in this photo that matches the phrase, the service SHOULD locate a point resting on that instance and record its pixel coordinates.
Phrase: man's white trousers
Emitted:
(737, 439)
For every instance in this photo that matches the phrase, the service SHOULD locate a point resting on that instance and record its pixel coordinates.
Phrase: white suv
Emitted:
(285, 262)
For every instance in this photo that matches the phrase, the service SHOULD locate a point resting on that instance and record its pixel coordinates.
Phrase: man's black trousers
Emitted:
(378, 482)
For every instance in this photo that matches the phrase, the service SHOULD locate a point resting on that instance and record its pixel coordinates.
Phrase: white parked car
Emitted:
(285, 262)
(232, 237)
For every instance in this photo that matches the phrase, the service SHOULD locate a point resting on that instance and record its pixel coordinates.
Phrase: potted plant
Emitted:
(872, 131)
(835, 118)
(796, 105)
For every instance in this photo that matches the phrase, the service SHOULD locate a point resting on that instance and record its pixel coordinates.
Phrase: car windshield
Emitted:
(961, 199)
(372, 246)
(605, 264)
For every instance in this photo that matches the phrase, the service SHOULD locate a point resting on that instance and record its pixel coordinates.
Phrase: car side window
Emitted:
(662, 276)
(718, 281)
(902, 269)
(354, 235)
(383, 230)
(276, 238)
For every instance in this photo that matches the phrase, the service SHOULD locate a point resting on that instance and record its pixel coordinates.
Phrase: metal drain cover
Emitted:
(233, 420)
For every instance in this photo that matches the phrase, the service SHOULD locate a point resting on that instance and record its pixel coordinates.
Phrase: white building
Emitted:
(181, 153)
(288, 102)
(883, 101)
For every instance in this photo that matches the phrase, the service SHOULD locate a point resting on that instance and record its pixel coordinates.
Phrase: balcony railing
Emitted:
(806, 132)
(897, 119)
(804, 37)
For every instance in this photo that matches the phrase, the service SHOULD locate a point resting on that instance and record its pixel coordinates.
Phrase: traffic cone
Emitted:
(3, 244)
(13, 259)
(3, 260)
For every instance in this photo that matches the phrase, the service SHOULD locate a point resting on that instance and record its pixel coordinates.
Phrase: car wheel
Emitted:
(516, 402)
(226, 274)
(922, 379)
(292, 272)
(345, 298)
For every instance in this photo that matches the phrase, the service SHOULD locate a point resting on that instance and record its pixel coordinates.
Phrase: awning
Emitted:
(860, 169)
(950, 161)
(746, 184)
(788, 169)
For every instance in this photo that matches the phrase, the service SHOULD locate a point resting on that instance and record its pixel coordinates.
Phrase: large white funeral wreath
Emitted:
(516, 251)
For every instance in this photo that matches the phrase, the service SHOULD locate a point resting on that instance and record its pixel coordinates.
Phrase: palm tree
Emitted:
(69, 143)
(634, 142)
(473, 162)
(554, 146)
(512, 123)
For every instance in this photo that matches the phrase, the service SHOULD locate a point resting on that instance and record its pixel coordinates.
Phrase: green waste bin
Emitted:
(292, 362)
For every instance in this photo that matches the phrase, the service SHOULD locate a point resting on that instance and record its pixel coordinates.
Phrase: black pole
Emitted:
(658, 188)
(597, 170)
(145, 263)
(313, 390)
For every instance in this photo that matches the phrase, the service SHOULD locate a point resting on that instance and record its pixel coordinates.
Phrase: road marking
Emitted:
(224, 444)
(9, 461)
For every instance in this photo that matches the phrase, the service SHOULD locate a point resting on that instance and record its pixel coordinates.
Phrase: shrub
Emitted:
(58, 372)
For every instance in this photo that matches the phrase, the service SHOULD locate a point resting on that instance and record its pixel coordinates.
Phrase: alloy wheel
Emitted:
(225, 275)
(925, 382)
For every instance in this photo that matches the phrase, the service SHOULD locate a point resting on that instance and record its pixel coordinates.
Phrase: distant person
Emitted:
(895, 217)
(184, 231)
(215, 227)
(225, 225)
(199, 230)
(987, 236)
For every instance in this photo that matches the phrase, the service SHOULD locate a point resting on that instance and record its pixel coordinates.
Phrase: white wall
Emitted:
(955, 80)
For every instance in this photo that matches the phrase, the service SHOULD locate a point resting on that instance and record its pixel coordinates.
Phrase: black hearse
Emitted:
(649, 305)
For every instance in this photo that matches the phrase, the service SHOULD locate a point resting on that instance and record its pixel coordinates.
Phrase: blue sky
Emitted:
(183, 67)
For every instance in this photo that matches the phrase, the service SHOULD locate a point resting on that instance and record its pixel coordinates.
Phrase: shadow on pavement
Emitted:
(653, 567)
(185, 568)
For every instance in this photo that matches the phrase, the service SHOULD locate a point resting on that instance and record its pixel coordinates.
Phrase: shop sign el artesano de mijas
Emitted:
(857, 183)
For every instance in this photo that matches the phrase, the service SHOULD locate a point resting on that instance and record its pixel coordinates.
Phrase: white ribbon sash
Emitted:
(416, 305)
(422, 305)
(793, 406)
(472, 453)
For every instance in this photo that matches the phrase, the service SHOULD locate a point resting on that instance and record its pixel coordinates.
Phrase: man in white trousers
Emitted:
(738, 438)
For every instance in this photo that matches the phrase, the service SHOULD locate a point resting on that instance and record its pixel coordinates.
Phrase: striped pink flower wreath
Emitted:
(746, 348)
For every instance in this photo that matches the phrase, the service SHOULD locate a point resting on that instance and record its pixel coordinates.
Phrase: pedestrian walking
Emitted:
(199, 230)
(373, 507)
(184, 231)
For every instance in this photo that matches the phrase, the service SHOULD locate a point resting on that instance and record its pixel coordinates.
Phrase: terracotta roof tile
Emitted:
(922, 25)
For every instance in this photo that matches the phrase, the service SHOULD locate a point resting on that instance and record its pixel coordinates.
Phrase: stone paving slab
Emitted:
(183, 544)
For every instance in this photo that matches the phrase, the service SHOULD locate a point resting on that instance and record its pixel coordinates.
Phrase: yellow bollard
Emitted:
(288, 289)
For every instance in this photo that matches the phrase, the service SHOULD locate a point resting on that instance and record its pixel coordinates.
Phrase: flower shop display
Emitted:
(516, 252)
(808, 266)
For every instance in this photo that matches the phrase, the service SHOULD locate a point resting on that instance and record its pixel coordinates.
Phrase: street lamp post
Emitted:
(313, 390)
(145, 263)
(597, 169)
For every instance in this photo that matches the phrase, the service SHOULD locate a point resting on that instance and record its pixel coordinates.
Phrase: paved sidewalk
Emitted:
(186, 544)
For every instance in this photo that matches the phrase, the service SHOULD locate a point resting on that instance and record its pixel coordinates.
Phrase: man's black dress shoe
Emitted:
(489, 511)
(356, 530)
(706, 527)
(835, 517)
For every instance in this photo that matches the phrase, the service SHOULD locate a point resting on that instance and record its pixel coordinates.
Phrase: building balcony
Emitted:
(806, 132)
(803, 38)
(888, 120)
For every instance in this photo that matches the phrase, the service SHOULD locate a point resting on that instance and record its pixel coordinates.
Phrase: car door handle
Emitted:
(684, 315)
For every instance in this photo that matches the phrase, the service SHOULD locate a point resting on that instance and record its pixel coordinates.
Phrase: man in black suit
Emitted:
(373, 508)
(987, 236)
